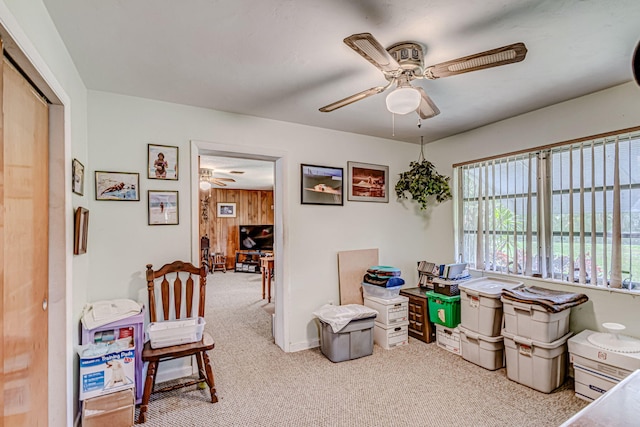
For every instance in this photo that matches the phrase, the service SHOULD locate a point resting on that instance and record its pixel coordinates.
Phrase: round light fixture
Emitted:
(403, 100)
(205, 185)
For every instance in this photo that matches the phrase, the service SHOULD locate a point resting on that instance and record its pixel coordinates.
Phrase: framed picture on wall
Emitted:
(321, 185)
(80, 230)
(163, 207)
(227, 210)
(77, 181)
(162, 162)
(121, 186)
(368, 183)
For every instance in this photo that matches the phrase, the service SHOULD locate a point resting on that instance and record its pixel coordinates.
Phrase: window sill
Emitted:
(542, 281)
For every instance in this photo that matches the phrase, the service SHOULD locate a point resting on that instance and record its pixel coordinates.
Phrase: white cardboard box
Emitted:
(389, 337)
(390, 311)
(448, 338)
(107, 373)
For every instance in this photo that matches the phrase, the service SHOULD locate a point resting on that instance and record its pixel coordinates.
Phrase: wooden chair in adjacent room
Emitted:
(219, 262)
(176, 302)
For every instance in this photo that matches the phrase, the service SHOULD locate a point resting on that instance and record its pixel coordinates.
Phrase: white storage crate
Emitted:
(533, 322)
(480, 304)
(389, 337)
(390, 311)
(539, 365)
(448, 338)
(174, 332)
(380, 292)
(487, 352)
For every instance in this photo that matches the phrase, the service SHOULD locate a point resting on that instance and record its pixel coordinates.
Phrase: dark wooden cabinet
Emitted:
(419, 325)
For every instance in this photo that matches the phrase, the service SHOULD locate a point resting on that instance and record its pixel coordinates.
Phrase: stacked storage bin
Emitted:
(535, 342)
(444, 312)
(381, 288)
(392, 323)
(481, 321)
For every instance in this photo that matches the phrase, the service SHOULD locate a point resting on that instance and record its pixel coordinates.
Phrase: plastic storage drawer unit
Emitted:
(351, 342)
(390, 311)
(487, 352)
(444, 310)
(541, 366)
(480, 305)
(533, 322)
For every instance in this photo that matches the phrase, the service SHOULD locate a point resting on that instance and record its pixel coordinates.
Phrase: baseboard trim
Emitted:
(304, 345)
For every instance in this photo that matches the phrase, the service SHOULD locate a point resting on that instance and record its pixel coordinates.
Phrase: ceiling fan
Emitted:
(207, 179)
(404, 62)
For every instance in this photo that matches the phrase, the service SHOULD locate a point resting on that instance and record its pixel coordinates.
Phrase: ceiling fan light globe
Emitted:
(205, 185)
(403, 100)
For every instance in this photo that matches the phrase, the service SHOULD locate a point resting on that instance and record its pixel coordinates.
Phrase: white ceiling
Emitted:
(283, 59)
(258, 174)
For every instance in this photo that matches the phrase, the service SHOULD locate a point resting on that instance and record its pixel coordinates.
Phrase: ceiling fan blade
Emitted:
(217, 181)
(226, 179)
(492, 58)
(369, 48)
(353, 98)
(427, 108)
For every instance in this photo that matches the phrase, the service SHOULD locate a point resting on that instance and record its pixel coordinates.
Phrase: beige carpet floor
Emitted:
(415, 385)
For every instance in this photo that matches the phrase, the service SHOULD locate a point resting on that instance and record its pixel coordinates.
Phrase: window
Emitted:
(569, 212)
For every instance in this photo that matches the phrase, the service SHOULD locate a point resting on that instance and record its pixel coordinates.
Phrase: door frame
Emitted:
(280, 159)
(60, 337)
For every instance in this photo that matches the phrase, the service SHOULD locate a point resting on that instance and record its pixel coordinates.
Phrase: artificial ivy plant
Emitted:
(423, 183)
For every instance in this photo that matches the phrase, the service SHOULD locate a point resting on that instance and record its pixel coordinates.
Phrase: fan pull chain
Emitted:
(393, 124)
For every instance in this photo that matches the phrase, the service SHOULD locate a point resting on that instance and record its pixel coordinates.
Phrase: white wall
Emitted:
(605, 111)
(121, 242)
(34, 33)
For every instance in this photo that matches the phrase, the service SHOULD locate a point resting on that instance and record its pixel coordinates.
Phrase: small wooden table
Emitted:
(266, 267)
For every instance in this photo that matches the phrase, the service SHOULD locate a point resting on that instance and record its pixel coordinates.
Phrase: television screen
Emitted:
(256, 237)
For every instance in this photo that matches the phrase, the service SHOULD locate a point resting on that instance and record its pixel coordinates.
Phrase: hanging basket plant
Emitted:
(423, 183)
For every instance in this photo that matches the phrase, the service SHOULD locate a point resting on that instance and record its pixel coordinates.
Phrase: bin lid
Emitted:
(339, 316)
(490, 287)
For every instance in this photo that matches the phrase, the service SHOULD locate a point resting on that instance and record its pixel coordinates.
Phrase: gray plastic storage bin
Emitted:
(351, 342)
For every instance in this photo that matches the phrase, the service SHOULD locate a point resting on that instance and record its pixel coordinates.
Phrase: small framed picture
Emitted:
(122, 186)
(226, 210)
(368, 183)
(162, 162)
(321, 185)
(80, 230)
(163, 207)
(77, 174)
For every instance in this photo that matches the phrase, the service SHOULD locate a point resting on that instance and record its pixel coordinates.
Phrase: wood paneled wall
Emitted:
(253, 207)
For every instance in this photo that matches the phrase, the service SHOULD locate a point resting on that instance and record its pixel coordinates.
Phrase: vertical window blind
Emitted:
(570, 212)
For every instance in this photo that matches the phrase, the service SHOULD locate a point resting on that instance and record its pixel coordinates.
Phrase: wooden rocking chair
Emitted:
(177, 271)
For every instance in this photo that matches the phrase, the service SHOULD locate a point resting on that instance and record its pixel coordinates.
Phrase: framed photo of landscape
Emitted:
(368, 183)
(321, 185)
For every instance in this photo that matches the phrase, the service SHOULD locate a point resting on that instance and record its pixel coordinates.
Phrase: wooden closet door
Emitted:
(24, 244)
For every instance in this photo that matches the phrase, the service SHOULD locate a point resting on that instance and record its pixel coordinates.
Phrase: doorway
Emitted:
(276, 162)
